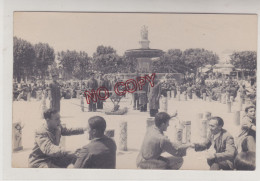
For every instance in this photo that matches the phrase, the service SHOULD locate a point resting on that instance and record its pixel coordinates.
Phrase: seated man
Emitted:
(248, 128)
(155, 143)
(101, 151)
(220, 145)
(47, 153)
(245, 161)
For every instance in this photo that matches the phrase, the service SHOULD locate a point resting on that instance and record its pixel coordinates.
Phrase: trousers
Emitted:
(162, 163)
(61, 162)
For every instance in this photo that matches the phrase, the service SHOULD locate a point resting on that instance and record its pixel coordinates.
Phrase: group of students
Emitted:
(101, 151)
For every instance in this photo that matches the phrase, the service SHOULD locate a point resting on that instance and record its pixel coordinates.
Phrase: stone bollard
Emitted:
(220, 97)
(179, 133)
(169, 94)
(149, 122)
(17, 136)
(204, 96)
(186, 138)
(179, 96)
(44, 107)
(123, 136)
(194, 97)
(229, 107)
(165, 104)
(28, 96)
(240, 104)
(63, 138)
(223, 98)
(199, 116)
(210, 98)
(37, 95)
(78, 94)
(237, 118)
(110, 133)
(204, 128)
(185, 96)
(231, 99)
(82, 103)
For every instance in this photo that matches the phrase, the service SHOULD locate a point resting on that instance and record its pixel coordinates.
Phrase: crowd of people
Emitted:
(225, 151)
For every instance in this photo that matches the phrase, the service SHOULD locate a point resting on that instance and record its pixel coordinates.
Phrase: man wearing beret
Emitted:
(55, 93)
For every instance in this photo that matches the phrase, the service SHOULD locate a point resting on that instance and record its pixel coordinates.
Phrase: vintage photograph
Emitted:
(162, 91)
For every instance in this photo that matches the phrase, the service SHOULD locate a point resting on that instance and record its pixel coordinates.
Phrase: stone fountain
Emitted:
(144, 54)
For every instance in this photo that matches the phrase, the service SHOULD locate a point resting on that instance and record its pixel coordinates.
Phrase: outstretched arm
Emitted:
(174, 149)
(72, 131)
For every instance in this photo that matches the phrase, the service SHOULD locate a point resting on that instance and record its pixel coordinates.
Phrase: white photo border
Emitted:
(166, 6)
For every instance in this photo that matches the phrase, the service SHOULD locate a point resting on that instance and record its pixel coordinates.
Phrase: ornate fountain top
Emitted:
(144, 32)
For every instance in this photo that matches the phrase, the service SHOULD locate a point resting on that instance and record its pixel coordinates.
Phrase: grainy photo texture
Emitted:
(134, 91)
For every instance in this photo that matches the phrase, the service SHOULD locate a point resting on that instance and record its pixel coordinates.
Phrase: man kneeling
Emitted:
(101, 151)
(47, 152)
(220, 146)
(155, 143)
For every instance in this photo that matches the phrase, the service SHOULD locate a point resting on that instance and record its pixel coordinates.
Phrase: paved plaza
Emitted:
(29, 113)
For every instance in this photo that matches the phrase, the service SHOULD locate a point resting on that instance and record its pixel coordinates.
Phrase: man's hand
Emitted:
(211, 154)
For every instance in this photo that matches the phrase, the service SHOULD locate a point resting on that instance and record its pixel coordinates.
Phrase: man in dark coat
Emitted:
(55, 93)
(101, 83)
(154, 97)
(101, 151)
(92, 84)
(220, 145)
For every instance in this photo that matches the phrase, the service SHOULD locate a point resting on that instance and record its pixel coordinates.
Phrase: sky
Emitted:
(220, 33)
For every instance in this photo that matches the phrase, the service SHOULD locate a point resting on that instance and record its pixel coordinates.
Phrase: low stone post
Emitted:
(82, 103)
(229, 107)
(17, 136)
(63, 138)
(44, 107)
(123, 136)
(204, 96)
(186, 132)
(237, 118)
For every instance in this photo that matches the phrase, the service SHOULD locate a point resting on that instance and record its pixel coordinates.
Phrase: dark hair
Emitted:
(98, 123)
(249, 107)
(47, 114)
(219, 119)
(245, 161)
(161, 117)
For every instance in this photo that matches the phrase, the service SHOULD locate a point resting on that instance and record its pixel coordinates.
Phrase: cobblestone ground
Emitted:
(29, 113)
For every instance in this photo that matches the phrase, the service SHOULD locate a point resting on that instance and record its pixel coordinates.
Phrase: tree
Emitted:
(170, 62)
(195, 58)
(128, 65)
(68, 60)
(24, 57)
(82, 66)
(244, 60)
(106, 60)
(44, 56)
